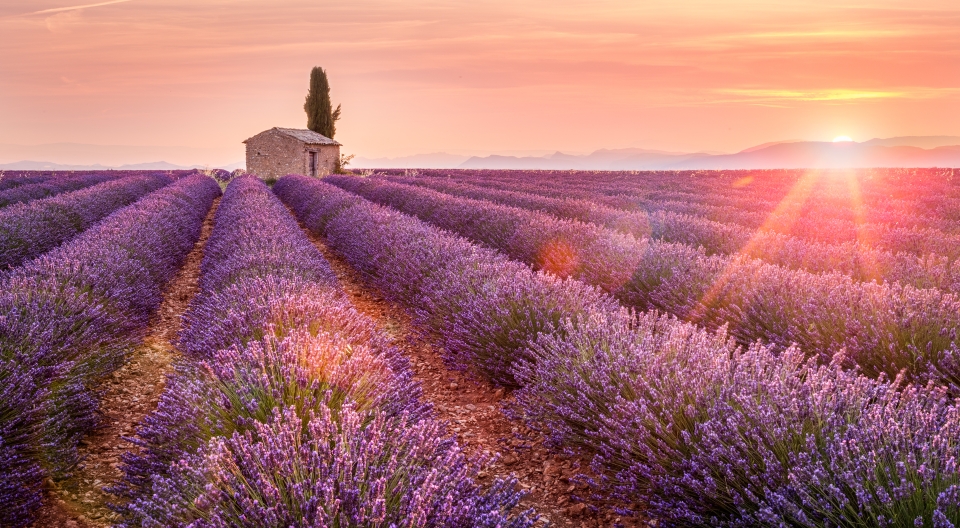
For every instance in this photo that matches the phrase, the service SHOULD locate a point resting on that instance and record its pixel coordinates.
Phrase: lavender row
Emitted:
(908, 232)
(30, 229)
(51, 187)
(723, 201)
(853, 259)
(484, 305)
(828, 192)
(886, 196)
(9, 181)
(885, 328)
(68, 318)
(897, 222)
(677, 419)
(290, 407)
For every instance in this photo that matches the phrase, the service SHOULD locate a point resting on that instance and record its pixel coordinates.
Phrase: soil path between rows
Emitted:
(473, 408)
(131, 393)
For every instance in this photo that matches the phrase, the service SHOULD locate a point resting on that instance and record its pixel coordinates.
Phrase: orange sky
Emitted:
(479, 76)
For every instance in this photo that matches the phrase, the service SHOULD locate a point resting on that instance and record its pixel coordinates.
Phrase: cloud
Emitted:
(423, 75)
(74, 8)
(62, 21)
(838, 95)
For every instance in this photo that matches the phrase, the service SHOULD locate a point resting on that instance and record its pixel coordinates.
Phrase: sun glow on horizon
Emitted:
(842, 139)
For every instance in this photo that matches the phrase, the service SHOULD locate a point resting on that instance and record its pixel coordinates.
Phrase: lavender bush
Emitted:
(33, 228)
(484, 306)
(850, 258)
(10, 180)
(291, 408)
(51, 187)
(73, 313)
(684, 421)
(21, 428)
(704, 433)
(885, 328)
(894, 210)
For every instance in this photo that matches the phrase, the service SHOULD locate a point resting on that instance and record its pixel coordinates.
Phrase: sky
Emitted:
(479, 76)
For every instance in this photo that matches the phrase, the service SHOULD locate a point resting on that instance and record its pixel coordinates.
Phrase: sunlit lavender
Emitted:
(294, 409)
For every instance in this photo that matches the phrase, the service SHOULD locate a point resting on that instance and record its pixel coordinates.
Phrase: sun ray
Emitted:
(781, 219)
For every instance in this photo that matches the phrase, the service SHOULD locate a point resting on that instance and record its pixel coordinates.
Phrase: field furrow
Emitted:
(475, 409)
(130, 393)
(70, 319)
(31, 229)
(859, 261)
(681, 420)
(51, 187)
(883, 328)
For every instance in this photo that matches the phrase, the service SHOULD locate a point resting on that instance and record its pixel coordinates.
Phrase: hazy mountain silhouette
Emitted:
(604, 159)
(904, 151)
(90, 156)
(924, 142)
(154, 165)
(434, 160)
(814, 154)
(907, 151)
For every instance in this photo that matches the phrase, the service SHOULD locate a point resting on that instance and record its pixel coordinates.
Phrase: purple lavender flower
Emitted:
(290, 407)
(682, 420)
(30, 229)
(51, 187)
(885, 328)
(69, 318)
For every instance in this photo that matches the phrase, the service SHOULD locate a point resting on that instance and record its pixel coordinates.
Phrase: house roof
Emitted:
(307, 136)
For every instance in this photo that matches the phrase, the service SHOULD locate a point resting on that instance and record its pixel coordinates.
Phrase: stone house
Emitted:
(280, 151)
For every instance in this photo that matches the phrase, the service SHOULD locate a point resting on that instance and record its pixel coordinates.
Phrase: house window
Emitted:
(313, 163)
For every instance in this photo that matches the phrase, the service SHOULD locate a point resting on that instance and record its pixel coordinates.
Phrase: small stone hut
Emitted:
(280, 151)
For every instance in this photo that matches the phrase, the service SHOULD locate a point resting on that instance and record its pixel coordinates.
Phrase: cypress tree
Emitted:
(321, 117)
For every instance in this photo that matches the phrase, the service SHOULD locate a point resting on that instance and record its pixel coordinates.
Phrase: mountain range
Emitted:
(155, 165)
(905, 151)
(83, 156)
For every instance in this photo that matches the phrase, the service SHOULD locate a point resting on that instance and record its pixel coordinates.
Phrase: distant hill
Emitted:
(156, 165)
(770, 144)
(903, 151)
(924, 142)
(604, 159)
(813, 154)
(100, 156)
(435, 160)
(907, 151)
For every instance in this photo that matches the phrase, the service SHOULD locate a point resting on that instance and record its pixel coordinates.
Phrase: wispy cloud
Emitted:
(74, 8)
(422, 75)
(838, 95)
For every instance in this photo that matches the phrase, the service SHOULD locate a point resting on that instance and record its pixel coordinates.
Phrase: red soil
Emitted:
(129, 395)
(473, 408)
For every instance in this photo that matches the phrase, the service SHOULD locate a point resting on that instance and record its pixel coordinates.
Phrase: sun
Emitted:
(842, 139)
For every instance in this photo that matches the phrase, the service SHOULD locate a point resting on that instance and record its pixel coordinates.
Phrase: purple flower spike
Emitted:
(67, 320)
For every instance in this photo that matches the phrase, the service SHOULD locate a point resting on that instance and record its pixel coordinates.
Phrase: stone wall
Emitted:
(272, 154)
(327, 156)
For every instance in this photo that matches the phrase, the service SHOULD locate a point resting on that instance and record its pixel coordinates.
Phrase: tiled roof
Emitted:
(307, 136)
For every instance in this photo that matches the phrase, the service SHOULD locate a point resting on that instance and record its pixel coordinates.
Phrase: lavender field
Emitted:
(674, 348)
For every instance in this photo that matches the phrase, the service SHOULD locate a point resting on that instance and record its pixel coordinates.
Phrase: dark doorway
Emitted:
(313, 164)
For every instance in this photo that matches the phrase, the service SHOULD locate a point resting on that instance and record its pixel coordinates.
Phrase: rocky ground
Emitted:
(475, 410)
(473, 407)
(129, 394)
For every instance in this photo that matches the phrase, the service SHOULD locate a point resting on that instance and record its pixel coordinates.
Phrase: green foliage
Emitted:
(342, 163)
(321, 117)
